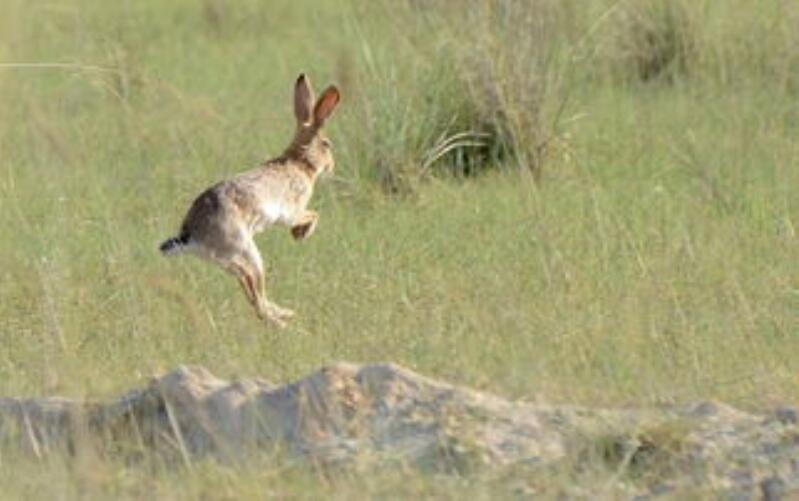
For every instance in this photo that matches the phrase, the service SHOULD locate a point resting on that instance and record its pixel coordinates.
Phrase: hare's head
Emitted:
(310, 143)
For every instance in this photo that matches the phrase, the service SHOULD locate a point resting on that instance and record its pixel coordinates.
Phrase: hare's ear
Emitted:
(303, 100)
(326, 104)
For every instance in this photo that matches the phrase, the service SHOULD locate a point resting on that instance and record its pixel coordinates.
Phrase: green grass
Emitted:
(655, 260)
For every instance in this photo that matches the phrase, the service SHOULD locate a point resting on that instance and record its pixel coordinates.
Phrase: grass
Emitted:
(655, 258)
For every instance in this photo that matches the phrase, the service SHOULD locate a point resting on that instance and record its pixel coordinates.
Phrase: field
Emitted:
(615, 225)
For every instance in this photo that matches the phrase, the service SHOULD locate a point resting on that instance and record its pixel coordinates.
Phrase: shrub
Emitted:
(485, 91)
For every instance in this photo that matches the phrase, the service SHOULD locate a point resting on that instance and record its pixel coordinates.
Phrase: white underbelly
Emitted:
(272, 213)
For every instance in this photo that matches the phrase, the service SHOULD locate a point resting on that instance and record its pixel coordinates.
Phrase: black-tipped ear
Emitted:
(326, 104)
(303, 100)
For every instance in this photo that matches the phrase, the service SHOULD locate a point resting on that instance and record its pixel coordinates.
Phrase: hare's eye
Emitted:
(326, 143)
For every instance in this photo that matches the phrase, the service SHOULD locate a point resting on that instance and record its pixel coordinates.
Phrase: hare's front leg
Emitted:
(304, 225)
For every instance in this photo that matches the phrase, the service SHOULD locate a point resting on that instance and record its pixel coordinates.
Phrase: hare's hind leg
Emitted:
(243, 276)
(247, 277)
(257, 284)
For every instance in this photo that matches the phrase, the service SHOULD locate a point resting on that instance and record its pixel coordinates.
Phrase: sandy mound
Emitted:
(383, 412)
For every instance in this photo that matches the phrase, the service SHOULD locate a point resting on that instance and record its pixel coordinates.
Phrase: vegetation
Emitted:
(584, 201)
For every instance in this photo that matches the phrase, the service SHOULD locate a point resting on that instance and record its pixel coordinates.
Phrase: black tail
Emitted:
(174, 244)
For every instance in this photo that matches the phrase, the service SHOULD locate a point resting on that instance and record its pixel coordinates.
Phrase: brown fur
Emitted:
(222, 221)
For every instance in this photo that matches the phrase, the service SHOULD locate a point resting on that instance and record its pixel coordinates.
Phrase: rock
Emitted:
(382, 412)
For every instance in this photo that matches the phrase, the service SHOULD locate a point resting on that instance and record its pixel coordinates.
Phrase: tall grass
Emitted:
(724, 44)
(654, 260)
(655, 40)
(483, 87)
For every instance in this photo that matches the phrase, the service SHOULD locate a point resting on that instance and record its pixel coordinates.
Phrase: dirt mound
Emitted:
(383, 412)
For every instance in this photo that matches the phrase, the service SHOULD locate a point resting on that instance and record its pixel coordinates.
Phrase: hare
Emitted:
(222, 221)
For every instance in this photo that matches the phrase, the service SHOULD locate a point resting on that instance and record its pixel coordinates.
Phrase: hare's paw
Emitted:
(282, 313)
(276, 315)
(300, 231)
(305, 225)
(272, 318)
(277, 322)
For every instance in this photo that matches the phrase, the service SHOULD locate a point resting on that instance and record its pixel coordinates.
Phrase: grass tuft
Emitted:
(655, 40)
(484, 91)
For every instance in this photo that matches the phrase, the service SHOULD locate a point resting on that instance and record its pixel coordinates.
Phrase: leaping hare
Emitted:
(222, 221)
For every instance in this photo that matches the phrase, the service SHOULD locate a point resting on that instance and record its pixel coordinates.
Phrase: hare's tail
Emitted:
(175, 245)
